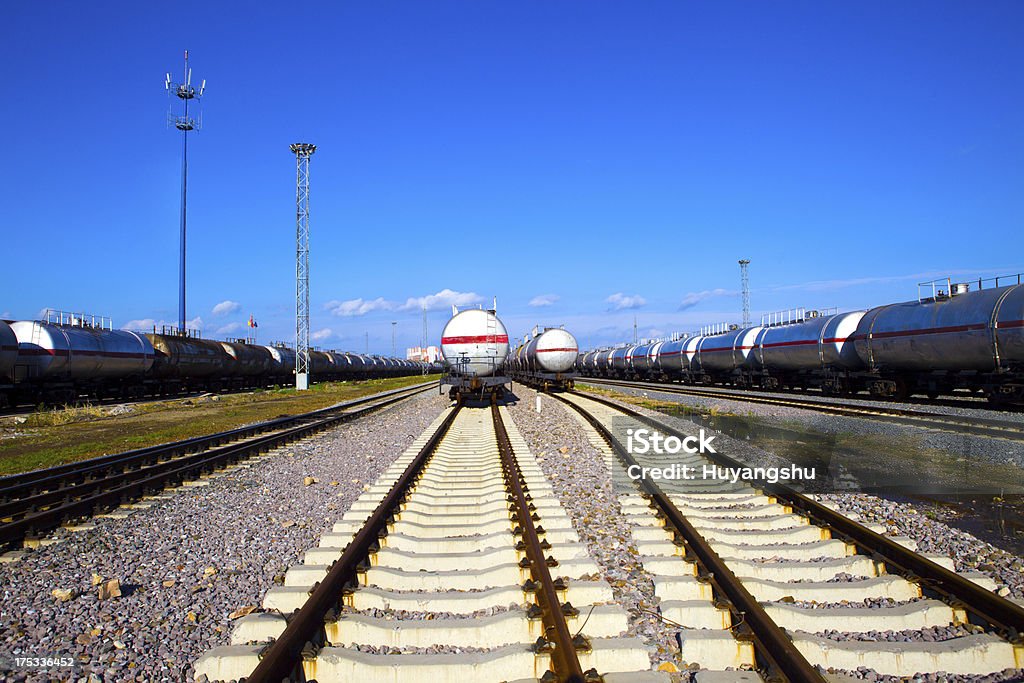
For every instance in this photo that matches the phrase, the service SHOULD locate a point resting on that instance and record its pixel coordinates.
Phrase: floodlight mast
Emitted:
(303, 151)
(184, 92)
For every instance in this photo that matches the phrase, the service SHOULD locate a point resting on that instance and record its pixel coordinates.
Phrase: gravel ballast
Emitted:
(189, 561)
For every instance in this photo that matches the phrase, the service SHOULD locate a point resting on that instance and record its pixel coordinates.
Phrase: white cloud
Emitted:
(694, 298)
(321, 335)
(148, 324)
(230, 327)
(433, 302)
(353, 307)
(144, 324)
(226, 307)
(544, 300)
(441, 300)
(621, 302)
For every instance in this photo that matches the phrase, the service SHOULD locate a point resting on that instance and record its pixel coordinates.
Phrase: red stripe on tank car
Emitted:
(551, 350)
(929, 330)
(727, 348)
(1010, 323)
(479, 339)
(64, 352)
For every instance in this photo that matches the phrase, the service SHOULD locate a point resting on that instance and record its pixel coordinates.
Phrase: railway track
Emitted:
(759, 576)
(458, 564)
(34, 503)
(975, 426)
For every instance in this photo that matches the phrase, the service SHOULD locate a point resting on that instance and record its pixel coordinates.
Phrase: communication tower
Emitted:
(185, 92)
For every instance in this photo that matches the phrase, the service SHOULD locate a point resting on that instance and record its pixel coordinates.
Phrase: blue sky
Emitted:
(597, 160)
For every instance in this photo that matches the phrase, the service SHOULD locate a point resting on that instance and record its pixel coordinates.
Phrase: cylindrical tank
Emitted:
(8, 351)
(812, 344)
(670, 357)
(282, 360)
(320, 363)
(723, 353)
(553, 350)
(654, 357)
(953, 333)
(603, 362)
(474, 343)
(74, 352)
(247, 360)
(617, 360)
(637, 360)
(187, 357)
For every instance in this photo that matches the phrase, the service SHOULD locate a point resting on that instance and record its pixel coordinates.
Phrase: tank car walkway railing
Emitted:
(37, 502)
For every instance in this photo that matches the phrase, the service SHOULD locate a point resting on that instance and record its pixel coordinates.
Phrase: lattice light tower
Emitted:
(303, 151)
(185, 92)
(745, 288)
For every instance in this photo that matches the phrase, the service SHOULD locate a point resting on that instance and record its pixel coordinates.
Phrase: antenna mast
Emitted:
(185, 92)
(745, 287)
(303, 151)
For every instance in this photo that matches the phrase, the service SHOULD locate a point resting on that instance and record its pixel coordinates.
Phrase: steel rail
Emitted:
(990, 427)
(775, 649)
(1001, 614)
(564, 662)
(47, 511)
(283, 659)
(13, 485)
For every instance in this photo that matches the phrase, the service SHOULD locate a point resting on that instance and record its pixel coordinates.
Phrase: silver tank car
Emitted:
(980, 331)
(553, 350)
(813, 344)
(179, 357)
(636, 359)
(617, 363)
(603, 363)
(52, 351)
(8, 351)
(722, 354)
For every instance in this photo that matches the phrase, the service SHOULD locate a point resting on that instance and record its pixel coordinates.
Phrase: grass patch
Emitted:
(54, 437)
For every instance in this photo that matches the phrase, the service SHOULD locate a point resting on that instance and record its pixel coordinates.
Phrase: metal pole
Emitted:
(184, 198)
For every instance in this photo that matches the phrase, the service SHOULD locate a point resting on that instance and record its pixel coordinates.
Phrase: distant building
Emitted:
(429, 354)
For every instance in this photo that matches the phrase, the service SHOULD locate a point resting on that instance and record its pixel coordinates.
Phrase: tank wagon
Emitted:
(65, 357)
(474, 345)
(545, 360)
(954, 337)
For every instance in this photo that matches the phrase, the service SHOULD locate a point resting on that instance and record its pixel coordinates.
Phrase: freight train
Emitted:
(545, 360)
(474, 344)
(58, 360)
(954, 337)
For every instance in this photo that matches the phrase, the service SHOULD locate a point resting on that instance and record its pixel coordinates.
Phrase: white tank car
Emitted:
(474, 343)
(553, 350)
(77, 352)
